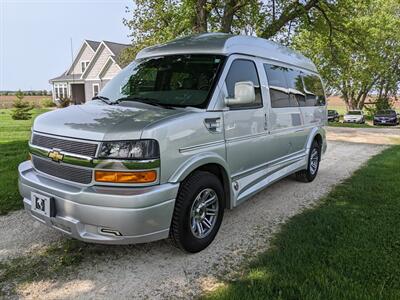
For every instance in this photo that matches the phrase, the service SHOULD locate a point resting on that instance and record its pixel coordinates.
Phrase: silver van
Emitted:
(188, 129)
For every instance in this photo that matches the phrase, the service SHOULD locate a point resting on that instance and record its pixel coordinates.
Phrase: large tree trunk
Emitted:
(201, 17)
(227, 18)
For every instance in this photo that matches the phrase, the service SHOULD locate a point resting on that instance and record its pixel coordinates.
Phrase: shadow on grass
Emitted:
(346, 248)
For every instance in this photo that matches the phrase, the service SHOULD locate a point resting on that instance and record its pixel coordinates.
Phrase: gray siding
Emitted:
(100, 60)
(111, 71)
(89, 87)
(86, 55)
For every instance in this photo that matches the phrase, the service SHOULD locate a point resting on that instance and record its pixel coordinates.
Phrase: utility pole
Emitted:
(73, 76)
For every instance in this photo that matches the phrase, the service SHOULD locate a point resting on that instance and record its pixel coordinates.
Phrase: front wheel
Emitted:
(199, 209)
(314, 158)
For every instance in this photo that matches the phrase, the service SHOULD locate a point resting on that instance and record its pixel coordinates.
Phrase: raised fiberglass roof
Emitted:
(226, 44)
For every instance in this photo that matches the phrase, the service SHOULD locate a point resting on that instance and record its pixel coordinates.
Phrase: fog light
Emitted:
(126, 177)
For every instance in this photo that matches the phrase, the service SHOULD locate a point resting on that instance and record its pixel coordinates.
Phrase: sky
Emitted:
(35, 36)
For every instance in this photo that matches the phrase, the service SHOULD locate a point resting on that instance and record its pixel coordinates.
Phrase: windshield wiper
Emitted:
(145, 100)
(104, 99)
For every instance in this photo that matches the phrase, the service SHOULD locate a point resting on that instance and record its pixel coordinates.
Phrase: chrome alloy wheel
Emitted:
(204, 213)
(314, 160)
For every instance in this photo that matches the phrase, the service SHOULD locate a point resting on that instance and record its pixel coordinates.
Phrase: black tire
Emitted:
(309, 174)
(181, 230)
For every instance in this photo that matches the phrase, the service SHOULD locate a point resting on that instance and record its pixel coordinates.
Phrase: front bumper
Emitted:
(333, 118)
(139, 214)
(385, 122)
(353, 121)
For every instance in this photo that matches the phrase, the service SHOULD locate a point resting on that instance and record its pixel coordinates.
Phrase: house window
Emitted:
(60, 90)
(95, 89)
(84, 65)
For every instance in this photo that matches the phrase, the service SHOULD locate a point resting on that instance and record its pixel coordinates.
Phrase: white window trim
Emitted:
(98, 89)
(61, 90)
(86, 62)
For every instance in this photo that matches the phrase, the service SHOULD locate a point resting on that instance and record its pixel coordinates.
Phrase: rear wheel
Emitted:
(314, 158)
(199, 209)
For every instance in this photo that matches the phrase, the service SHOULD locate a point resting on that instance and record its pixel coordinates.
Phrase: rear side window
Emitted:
(295, 83)
(314, 90)
(277, 82)
(243, 70)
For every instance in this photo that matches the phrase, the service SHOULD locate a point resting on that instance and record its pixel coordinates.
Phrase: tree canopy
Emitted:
(356, 47)
(158, 21)
(354, 43)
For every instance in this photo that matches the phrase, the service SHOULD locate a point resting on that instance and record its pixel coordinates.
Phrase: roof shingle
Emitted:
(93, 44)
(116, 48)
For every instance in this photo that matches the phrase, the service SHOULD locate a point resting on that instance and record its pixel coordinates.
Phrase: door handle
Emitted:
(265, 122)
(213, 124)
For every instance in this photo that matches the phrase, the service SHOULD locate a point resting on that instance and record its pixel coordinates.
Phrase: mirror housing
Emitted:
(244, 94)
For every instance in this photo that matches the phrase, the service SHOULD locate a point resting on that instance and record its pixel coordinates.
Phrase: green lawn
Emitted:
(346, 248)
(350, 125)
(14, 136)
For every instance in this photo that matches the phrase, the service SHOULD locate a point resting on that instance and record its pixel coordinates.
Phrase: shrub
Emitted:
(381, 103)
(63, 102)
(22, 110)
(47, 102)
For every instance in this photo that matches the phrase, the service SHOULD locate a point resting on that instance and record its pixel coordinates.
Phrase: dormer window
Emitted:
(84, 65)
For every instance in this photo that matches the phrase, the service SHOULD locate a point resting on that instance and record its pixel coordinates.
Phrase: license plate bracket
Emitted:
(43, 205)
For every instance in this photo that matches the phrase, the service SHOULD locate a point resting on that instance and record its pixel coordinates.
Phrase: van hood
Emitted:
(102, 122)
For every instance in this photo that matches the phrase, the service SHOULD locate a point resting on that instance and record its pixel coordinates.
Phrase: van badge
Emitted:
(55, 156)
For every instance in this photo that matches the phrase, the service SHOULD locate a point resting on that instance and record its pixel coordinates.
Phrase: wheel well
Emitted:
(220, 172)
(318, 138)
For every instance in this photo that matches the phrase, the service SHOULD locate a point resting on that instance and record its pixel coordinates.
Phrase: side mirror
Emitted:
(244, 94)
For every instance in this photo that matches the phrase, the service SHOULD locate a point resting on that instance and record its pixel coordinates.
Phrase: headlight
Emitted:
(139, 149)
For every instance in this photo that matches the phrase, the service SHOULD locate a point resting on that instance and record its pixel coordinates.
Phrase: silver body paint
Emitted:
(252, 148)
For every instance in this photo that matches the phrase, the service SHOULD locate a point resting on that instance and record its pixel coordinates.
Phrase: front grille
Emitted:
(76, 147)
(74, 174)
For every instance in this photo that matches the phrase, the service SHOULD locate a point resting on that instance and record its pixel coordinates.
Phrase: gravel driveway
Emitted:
(379, 136)
(158, 270)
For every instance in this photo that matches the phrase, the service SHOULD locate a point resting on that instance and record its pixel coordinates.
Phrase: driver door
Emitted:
(245, 125)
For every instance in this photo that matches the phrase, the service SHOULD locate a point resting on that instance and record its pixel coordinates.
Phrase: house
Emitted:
(94, 65)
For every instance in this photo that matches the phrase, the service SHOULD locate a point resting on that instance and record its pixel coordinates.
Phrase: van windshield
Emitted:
(176, 80)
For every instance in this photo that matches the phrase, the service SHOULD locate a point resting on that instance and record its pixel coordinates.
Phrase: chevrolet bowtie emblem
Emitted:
(55, 156)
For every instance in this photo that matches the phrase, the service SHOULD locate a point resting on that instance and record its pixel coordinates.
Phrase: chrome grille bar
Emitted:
(76, 147)
(70, 173)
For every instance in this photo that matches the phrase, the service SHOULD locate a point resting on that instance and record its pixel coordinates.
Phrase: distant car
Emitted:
(386, 117)
(333, 115)
(354, 116)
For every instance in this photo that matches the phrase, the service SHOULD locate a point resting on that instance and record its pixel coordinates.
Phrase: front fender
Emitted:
(194, 162)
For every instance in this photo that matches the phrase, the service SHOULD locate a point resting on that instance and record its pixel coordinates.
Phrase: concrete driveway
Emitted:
(158, 270)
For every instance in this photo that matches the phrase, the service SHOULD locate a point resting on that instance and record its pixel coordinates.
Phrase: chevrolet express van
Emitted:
(190, 128)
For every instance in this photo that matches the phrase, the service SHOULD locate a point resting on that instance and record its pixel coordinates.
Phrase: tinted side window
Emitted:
(276, 75)
(277, 86)
(243, 70)
(314, 90)
(294, 80)
(295, 83)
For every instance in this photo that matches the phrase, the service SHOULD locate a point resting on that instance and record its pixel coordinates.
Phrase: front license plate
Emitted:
(383, 121)
(42, 204)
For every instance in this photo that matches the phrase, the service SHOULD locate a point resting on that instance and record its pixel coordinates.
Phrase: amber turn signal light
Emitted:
(126, 177)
